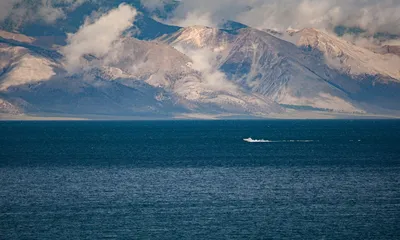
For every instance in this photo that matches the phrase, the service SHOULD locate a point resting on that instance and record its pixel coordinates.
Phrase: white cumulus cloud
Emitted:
(98, 36)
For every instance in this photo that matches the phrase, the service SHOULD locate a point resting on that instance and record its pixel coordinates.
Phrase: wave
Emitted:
(250, 140)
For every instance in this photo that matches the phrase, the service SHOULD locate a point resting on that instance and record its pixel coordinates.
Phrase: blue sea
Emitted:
(326, 179)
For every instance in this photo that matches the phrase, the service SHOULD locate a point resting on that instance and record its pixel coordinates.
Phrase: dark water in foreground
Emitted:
(200, 180)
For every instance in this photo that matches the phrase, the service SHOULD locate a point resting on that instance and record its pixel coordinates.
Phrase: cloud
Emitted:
(32, 10)
(50, 14)
(194, 18)
(98, 36)
(205, 61)
(154, 4)
(372, 15)
(5, 8)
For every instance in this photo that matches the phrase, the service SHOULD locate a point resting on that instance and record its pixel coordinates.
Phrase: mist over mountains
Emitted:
(224, 59)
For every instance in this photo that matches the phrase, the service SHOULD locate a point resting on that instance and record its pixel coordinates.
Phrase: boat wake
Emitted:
(250, 140)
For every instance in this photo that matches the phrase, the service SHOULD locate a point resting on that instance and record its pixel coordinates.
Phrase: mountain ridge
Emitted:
(201, 71)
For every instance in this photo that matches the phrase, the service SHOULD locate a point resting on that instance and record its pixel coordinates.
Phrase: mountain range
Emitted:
(154, 70)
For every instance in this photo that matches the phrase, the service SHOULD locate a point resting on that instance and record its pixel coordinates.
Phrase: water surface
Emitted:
(200, 180)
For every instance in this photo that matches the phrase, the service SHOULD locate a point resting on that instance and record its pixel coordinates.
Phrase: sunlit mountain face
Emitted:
(163, 60)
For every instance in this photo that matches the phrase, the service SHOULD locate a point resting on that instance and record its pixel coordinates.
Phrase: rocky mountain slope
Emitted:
(150, 79)
(389, 49)
(347, 57)
(313, 70)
